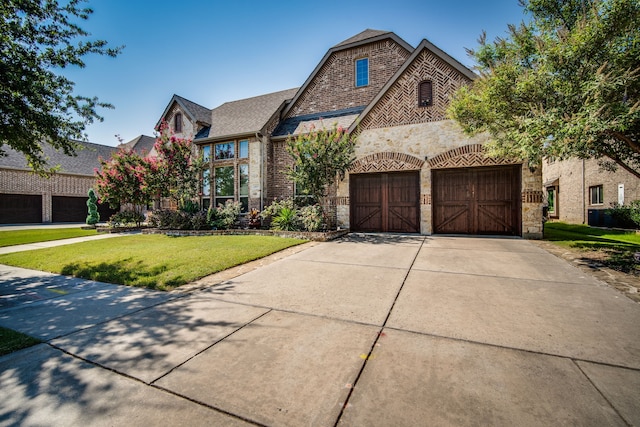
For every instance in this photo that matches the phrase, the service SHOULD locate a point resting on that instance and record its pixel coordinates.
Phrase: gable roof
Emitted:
(425, 44)
(245, 116)
(85, 162)
(365, 37)
(196, 112)
(140, 144)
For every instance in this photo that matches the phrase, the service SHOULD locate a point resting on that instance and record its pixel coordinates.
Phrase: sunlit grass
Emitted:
(618, 247)
(152, 261)
(21, 237)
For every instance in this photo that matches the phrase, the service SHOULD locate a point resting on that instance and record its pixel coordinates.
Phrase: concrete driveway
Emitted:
(369, 330)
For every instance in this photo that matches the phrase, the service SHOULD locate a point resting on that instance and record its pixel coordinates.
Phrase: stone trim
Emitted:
(386, 162)
(467, 156)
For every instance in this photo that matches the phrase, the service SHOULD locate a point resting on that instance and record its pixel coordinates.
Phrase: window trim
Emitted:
(357, 80)
(177, 123)
(429, 102)
(598, 192)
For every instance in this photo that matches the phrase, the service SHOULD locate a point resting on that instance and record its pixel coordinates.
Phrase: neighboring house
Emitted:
(579, 191)
(415, 171)
(29, 198)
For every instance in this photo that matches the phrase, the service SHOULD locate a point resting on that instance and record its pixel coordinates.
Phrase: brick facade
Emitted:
(25, 182)
(572, 180)
(333, 87)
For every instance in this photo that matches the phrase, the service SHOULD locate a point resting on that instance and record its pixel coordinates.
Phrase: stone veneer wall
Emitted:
(24, 182)
(435, 145)
(575, 176)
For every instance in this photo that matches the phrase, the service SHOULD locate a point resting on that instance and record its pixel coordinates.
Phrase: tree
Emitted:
(181, 170)
(565, 84)
(37, 103)
(320, 157)
(128, 178)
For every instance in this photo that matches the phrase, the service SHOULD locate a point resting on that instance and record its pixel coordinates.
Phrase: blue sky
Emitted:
(212, 52)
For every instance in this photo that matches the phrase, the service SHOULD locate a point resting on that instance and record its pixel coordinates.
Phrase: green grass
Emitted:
(11, 341)
(152, 261)
(614, 248)
(21, 237)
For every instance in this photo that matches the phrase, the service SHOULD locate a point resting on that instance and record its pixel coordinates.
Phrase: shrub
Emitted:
(93, 216)
(311, 217)
(275, 207)
(286, 220)
(224, 216)
(126, 218)
(199, 221)
(625, 216)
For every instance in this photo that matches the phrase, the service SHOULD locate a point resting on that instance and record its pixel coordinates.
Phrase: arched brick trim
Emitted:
(386, 162)
(466, 156)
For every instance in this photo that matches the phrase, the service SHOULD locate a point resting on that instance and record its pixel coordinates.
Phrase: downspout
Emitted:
(584, 202)
(262, 180)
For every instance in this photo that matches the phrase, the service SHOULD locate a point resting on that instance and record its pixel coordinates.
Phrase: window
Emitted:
(551, 200)
(362, 72)
(425, 93)
(244, 149)
(226, 150)
(206, 153)
(177, 123)
(224, 183)
(243, 191)
(596, 195)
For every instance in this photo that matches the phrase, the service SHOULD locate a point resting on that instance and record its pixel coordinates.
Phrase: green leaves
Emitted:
(37, 104)
(564, 84)
(319, 157)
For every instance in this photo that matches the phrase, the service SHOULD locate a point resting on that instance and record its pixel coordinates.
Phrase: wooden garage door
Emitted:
(477, 200)
(385, 202)
(20, 208)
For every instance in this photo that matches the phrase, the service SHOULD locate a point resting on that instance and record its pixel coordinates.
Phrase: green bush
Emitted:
(126, 218)
(625, 216)
(286, 220)
(224, 216)
(311, 217)
(93, 216)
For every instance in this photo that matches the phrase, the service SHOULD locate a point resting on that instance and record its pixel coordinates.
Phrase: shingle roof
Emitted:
(302, 124)
(142, 144)
(200, 113)
(195, 111)
(366, 34)
(84, 163)
(246, 115)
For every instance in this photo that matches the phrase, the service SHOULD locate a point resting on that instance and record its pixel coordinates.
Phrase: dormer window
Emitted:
(362, 72)
(425, 93)
(177, 123)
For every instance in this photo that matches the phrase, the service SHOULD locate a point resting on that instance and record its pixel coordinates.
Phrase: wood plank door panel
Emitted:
(385, 202)
(477, 200)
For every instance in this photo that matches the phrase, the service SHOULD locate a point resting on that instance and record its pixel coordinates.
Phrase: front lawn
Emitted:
(21, 237)
(152, 261)
(11, 341)
(614, 249)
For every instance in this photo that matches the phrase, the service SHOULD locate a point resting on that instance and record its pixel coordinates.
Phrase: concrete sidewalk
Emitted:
(366, 330)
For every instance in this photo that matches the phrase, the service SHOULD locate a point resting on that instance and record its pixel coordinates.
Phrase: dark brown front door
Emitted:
(477, 200)
(385, 202)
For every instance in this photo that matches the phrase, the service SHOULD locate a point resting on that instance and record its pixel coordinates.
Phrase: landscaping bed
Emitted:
(317, 236)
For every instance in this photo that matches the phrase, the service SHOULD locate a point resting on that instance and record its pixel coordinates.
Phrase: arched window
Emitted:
(177, 123)
(425, 93)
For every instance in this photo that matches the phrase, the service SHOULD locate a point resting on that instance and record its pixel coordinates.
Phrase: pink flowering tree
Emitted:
(320, 158)
(180, 170)
(123, 179)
